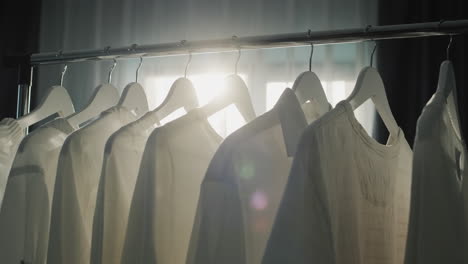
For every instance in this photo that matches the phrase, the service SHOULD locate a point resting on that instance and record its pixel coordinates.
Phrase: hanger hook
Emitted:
(188, 63)
(449, 46)
(372, 54)
(234, 38)
(367, 29)
(65, 67)
(138, 69)
(64, 70)
(183, 43)
(309, 33)
(134, 49)
(112, 70)
(238, 58)
(310, 58)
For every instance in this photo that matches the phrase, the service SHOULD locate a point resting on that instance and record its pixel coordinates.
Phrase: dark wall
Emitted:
(410, 68)
(19, 34)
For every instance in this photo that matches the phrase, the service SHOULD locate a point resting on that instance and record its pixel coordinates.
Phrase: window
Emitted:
(207, 87)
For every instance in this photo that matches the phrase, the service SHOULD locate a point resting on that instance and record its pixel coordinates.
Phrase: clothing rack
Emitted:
(369, 33)
(259, 42)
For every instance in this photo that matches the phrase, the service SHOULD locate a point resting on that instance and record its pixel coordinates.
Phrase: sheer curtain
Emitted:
(85, 24)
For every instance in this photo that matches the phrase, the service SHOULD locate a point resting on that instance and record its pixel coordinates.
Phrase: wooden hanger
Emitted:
(181, 95)
(236, 93)
(134, 99)
(370, 85)
(57, 101)
(308, 87)
(104, 97)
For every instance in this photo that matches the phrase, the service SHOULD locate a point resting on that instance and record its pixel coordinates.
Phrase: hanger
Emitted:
(370, 85)
(308, 87)
(447, 87)
(236, 93)
(181, 94)
(104, 97)
(134, 97)
(57, 101)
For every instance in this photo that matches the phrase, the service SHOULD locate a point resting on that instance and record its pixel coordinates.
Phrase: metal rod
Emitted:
(19, 99)
(311, 54)
(372, 54)
(27, 105)
(27, 97)
(258, 42)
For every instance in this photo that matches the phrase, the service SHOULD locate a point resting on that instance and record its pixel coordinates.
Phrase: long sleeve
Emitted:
(110, 221)
(68, 234)
(25, 216)
(302, 230)
(11, 135)
(98, 219)
(13, 220)
(218, 232)
(76, 187)
(436, 230)
(149, 209)
(435, 215)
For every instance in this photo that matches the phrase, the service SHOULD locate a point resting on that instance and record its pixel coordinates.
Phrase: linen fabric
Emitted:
(122, 158)
(76, 185)
(25, 213)
(438, 227)
(347, 197)
(243, 186)
(11, 135)
(165, 198)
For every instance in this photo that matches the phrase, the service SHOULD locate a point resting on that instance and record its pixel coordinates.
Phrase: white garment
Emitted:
(122, 158)
(165, 199)
(77, 180)
(347, 197)
(244, 184)
(25, 215)
(438, 226)
(11, 135)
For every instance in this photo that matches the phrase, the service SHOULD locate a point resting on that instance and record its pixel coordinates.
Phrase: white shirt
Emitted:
(11, 135)
(243, 186)
(165, 199)
(25, 214)
(122, 158)
(347, 198)
(77, 180)
(438, 222)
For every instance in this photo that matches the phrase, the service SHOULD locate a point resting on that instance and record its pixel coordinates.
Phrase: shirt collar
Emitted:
(292, 119)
